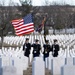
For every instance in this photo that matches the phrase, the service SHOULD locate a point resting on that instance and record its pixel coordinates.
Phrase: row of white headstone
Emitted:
(61, 65)
(63, 40)
(57, 66)
(12, 60)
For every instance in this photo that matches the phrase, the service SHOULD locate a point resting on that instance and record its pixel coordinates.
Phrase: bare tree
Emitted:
(25, 8)
(6, 15)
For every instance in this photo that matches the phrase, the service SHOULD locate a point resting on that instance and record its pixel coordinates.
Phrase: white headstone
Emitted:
(20, 64)
(68, 70)
(8, 70)
(49, 60)
(5, 61)
(57, 63)
(69, 67)
(46, 62)
(38, 66)
(69, 61)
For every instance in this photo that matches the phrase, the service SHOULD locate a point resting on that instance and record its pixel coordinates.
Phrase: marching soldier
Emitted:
(47, 49)
(55, 48)
(36, 48)
(27, 48)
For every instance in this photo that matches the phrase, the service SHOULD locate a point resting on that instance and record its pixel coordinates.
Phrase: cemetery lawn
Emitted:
(13, 45)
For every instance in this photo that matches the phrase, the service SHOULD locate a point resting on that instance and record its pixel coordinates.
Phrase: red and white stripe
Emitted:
(21, 28)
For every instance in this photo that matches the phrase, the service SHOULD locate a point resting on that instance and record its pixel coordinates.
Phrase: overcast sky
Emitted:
(42, 2)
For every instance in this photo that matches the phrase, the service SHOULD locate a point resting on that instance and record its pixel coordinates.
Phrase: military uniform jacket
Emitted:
(47, 49)
(36, 48)
(55, 49)
(27, 48)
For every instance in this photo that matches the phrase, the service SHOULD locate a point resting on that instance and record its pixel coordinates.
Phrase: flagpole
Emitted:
(45, 28)
(45, 17)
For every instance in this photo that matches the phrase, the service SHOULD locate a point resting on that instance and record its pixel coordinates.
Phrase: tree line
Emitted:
(58, 16)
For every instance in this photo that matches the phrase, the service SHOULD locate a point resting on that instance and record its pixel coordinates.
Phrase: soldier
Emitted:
(55, 48)
(47, 49)
(27, 48)
(36, 48)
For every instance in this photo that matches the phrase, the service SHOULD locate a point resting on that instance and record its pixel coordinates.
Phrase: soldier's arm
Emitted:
(29, 46)
(58, 48)
(49, 48)
(23, 47)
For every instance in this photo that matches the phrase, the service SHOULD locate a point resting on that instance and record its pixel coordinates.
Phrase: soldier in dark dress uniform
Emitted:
(55, 48)
(47, 49)
(36, 48)
(27, 48)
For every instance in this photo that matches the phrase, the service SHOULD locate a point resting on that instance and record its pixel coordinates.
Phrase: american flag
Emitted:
(23, 26)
